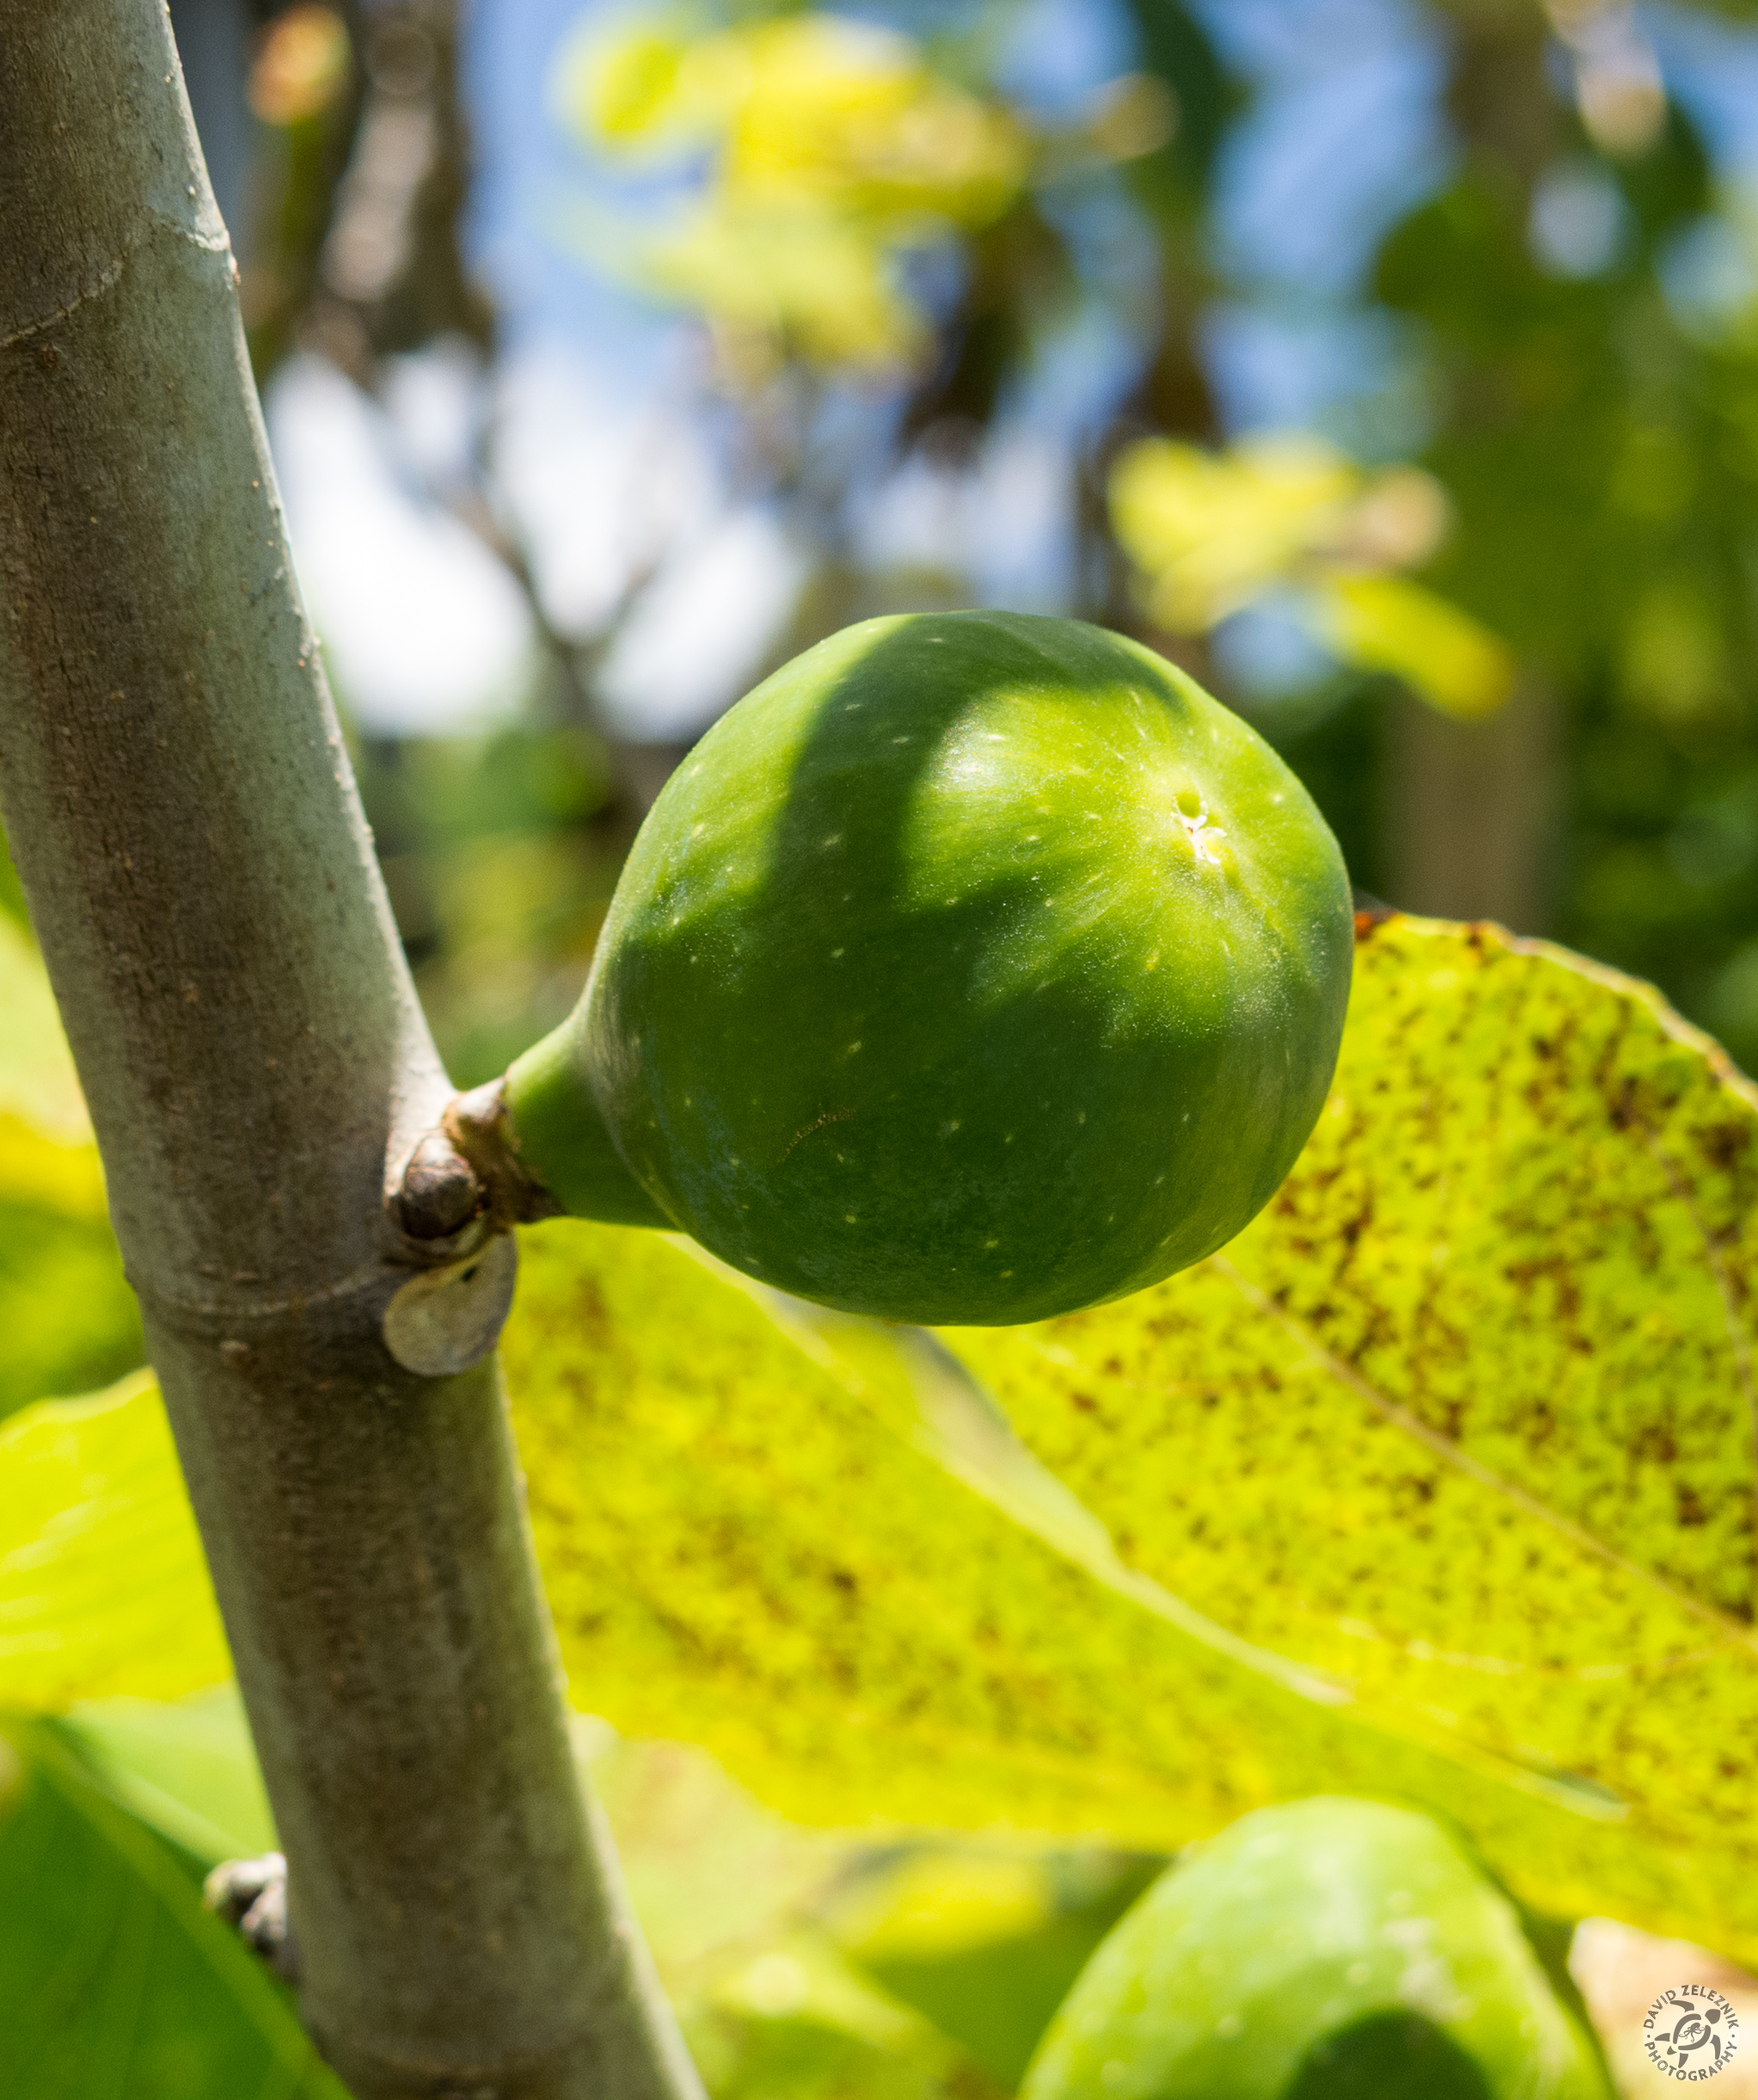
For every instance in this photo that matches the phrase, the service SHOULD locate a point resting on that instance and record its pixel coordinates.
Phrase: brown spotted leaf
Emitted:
(1436, 1483)
(1464, 1422)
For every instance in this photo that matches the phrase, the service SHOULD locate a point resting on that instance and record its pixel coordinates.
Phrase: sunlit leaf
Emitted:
(752, 1550)
(832, 146)
(68, 1319)
(113, 1978)
(810, 108)
(38, 1085)
(1465, 1421)
(1389, 623)
(103, 1589)
(1437, 1483)
(793, 268)
(625, 91)
(1210, 532)
(768, 1562)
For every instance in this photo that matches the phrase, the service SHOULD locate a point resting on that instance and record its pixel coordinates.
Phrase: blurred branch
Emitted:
(373, 267)
(1497, 94)
(1017, 271)
(304, 154)
(1472, 806)
(1474, 809)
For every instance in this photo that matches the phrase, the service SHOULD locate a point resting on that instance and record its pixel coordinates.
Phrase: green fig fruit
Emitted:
(975, 967)
(1328, 1949)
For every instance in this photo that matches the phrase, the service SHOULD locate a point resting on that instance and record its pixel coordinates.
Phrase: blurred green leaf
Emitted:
(800, 2023)
(68, 1319)
(833, 146)
(724, 1890)
(103, 1589)
(114, 1981)
(1587, 442)
(11, 890)
(986, 1942)
(715, 1878)
(38, 1083)
(185, 1766)
(1389, 623)
(1210, 533)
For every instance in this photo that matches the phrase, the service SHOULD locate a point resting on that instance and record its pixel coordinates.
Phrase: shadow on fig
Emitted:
(971, 1036)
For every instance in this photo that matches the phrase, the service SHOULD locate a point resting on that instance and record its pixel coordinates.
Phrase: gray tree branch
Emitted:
(182, 813)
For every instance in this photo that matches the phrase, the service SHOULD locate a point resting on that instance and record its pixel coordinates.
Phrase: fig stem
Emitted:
(546, 1113)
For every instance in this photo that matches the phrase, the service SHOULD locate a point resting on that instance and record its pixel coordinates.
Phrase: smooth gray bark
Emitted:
(182, 813)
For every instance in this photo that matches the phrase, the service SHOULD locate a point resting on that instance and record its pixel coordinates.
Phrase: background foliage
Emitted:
(613, 356)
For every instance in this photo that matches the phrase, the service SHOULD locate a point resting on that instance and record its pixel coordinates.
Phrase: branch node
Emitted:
(462, 1193)
(251, 1895)
(440, 1192)
(465, 1179)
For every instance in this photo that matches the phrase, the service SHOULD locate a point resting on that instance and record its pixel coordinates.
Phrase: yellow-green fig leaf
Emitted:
(1437, 1483)
(1464, 1422)
(103, 1589)
(68, 1319)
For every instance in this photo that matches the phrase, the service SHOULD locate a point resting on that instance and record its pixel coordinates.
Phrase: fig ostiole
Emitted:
(975, 967)
(1326, 1950)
